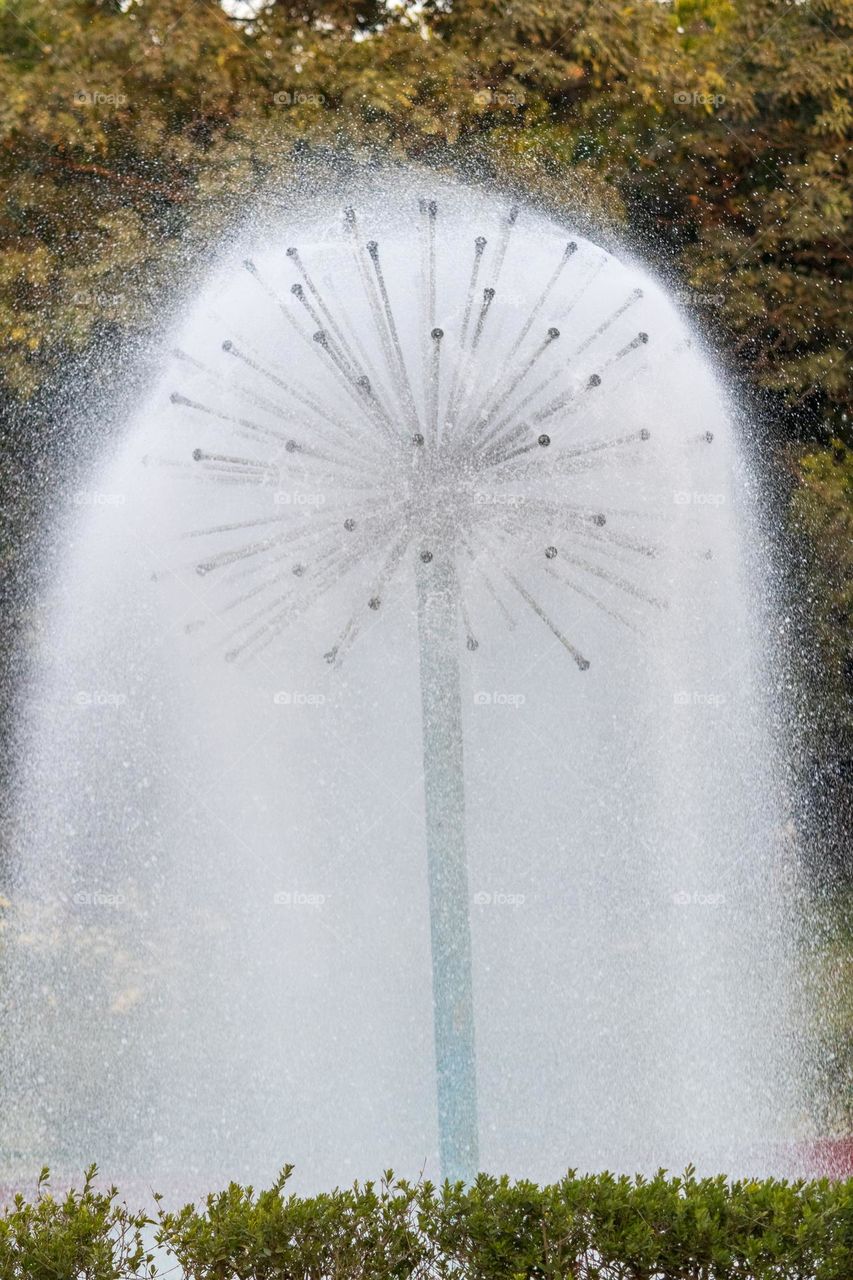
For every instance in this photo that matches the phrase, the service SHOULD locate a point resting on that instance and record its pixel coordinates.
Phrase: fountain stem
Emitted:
(453, 1003)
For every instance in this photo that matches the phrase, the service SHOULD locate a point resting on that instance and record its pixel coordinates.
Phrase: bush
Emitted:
(87, 1235)
(597, 1227)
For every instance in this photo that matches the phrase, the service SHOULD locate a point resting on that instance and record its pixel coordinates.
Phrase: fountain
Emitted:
(400, 732)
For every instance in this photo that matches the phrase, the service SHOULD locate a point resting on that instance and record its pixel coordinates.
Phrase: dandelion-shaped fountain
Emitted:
(452, 404)
(422, 466)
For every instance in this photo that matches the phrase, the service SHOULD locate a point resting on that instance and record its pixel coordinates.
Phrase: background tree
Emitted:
(132, 132)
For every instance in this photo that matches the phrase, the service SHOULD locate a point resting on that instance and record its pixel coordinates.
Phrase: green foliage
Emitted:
(85, 1235)
(133, 132)
(127, 129)
(823, 508)
(597, 1227)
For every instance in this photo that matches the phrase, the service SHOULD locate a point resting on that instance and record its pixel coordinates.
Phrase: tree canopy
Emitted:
(718, 133)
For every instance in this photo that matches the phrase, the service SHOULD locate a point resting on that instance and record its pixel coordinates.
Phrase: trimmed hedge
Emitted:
(597, 1227)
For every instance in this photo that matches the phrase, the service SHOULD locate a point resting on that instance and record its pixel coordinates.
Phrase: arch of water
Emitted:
(399, 732)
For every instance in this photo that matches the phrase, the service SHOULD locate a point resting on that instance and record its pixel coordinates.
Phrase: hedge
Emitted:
(595, 1227)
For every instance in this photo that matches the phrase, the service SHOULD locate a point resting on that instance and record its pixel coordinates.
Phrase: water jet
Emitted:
(365, 465)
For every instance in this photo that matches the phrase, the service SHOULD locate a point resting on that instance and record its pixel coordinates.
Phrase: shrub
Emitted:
(86, 1235)
(594, 1227)
(597, 1227)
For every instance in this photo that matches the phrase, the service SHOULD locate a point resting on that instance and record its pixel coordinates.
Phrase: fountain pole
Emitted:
(453, 1002)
